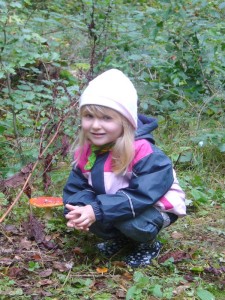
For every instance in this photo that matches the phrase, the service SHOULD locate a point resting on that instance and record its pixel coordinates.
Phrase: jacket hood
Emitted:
(145, 126)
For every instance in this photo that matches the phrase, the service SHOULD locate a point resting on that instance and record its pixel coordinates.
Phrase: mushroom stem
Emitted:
(48, 213)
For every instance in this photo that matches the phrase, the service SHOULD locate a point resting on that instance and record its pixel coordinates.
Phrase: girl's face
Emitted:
(101, 127)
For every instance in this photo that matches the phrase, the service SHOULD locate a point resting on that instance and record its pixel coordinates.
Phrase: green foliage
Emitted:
(174, 53)
(33, 266)
(34, 97)
(8, 289)
(205, 295)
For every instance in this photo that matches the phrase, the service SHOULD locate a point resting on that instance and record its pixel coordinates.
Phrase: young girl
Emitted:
(122, 187)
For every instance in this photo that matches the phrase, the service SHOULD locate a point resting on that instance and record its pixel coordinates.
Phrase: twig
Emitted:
(5, 235)
(35, 165)
(14, 119)
(20, 193)
(202, 109)
(67, 277)
(92, 275)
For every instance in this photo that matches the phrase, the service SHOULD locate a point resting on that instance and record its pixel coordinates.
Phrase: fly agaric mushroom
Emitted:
(47, 203)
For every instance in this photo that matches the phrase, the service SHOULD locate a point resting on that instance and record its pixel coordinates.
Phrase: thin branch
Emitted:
(14, 119)
(36, 163)
(20, 193)
(202, 109)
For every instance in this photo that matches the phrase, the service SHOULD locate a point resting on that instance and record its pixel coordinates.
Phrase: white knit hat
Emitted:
(113, 89)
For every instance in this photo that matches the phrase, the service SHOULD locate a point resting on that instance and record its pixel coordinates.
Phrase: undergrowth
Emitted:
(173, 51)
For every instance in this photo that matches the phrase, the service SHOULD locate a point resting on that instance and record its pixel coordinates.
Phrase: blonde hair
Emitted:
(123, 148)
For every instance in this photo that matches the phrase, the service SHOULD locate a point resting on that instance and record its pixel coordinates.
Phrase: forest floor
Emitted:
(49, 261)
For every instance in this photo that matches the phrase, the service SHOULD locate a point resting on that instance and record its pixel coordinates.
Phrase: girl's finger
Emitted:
(72, 216)
(71, 207)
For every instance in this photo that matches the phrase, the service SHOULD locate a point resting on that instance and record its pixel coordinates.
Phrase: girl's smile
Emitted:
(101, 129)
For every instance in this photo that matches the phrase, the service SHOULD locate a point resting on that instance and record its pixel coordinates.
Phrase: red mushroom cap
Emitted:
(46, 201)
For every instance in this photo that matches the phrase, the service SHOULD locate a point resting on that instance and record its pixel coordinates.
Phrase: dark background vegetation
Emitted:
(174, 52)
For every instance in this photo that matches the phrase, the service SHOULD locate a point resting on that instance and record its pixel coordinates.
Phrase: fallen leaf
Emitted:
(180, 289)
(127, 276)
(45, 282)
(189, 278)
(176, 255)
(177, 235)
(36, 256)
(48, 238)
(34, 229)
(99, 285)
(6, 261)
(61, 267)
(121, 294)
(11, 229)
(69, 265)
(17, 257)
(102, 270)
(78, 251)
(25, 244)
(45, 273)
(119, 264)
(14, 272)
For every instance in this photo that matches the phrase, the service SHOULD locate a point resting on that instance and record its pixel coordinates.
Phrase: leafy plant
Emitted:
(174, 53)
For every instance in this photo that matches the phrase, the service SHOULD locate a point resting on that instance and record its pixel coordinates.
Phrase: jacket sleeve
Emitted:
(77, 191)
(152, 177)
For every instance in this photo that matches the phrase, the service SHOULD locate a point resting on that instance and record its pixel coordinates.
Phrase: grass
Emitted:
(55, 262)
(190, 265)
(191, 261)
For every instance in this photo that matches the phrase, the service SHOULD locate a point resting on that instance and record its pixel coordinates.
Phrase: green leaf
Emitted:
(2, 129)
(156, 291)
(2, 74)
(137, 276)
(222, 5)
(186, 157)
(205, 295)
(103, 296)
(197, 269)
(30, 96)
(131, 292)
(199, 196)
(16, 5)
(221, 147)
(16, 292)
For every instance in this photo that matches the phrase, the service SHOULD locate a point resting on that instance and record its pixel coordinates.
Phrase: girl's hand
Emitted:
(72, 215)
(80, 217)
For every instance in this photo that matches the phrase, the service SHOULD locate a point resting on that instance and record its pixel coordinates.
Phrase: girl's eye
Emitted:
(106, 118)
(88, 116)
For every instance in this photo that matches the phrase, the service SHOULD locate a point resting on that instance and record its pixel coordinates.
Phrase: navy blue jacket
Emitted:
(150, 181)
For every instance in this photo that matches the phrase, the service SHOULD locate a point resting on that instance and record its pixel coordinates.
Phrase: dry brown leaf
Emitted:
(127, 276)
(25, 244)
(45, 282)
(180, 289)
(119, 264)
(14, 272)
(177, 235)
(36, 256)
(60, 266)
(177, 255)
(6, 261)
(78, 251)
(45, 273)
(99, 285)
(121, 294)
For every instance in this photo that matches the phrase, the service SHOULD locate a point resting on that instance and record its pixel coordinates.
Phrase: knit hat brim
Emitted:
(114, 90)
(107, 102)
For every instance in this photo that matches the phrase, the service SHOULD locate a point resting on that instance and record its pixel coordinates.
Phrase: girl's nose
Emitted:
(96, 123)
